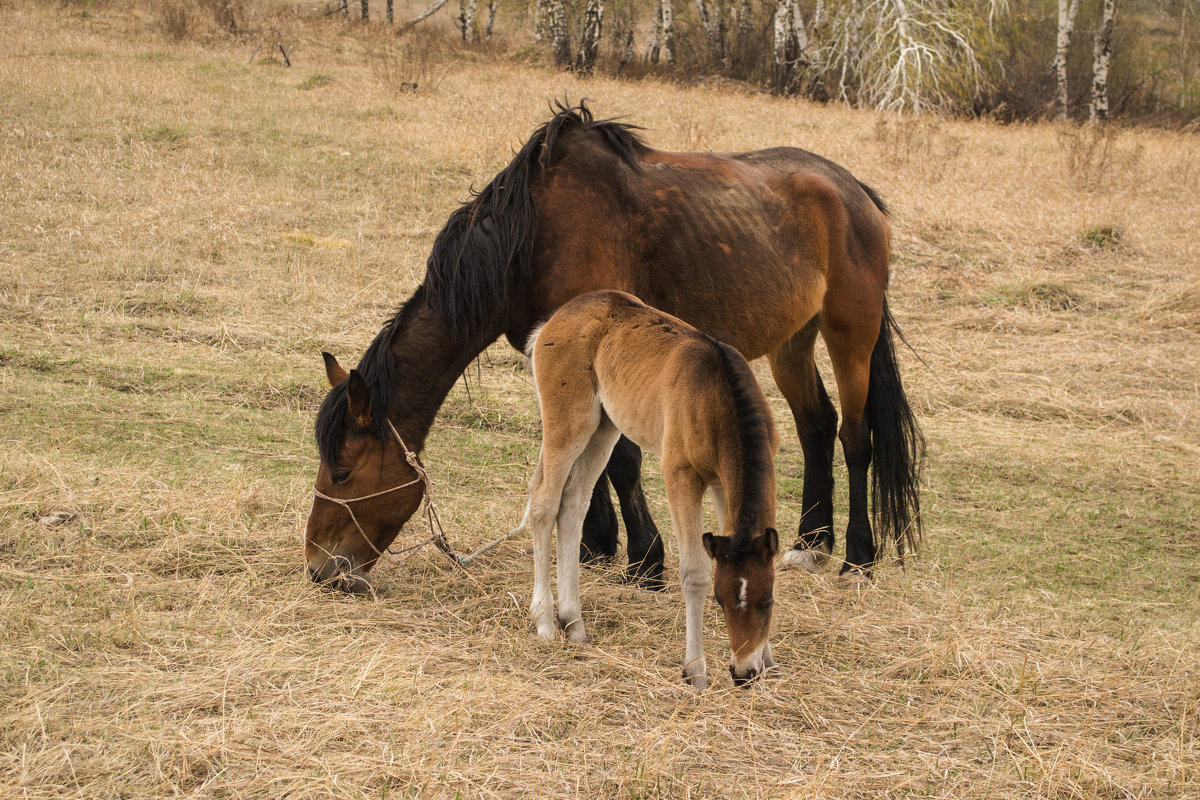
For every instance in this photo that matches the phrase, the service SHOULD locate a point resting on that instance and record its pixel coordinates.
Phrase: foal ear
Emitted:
(716, 546)
(769, 543)
(333, 370)
(358, 399)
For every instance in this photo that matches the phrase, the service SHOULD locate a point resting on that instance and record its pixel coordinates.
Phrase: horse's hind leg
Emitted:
(850, 336)
(795, 373)
(584, 473)
(643, 542)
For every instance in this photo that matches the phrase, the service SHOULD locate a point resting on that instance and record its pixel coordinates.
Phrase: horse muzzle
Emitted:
(339, 573)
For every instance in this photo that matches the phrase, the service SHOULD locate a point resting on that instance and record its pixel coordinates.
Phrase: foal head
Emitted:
(365, 489)
(744, 586)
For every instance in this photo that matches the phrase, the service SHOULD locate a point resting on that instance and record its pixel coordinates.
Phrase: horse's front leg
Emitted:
(685, 493)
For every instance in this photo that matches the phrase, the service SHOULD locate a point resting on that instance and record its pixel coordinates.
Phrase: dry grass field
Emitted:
(181, 233)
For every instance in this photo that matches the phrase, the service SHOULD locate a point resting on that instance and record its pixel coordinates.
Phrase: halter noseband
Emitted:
(437, 534)
(422, 477)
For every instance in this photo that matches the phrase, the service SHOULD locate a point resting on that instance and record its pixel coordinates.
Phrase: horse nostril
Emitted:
(742, 680)
(312, 573)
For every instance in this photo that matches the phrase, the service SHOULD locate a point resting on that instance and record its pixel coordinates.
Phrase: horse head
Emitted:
(366, 487)
(744, 587)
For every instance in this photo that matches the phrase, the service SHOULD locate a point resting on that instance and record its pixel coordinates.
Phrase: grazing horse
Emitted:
(605, 365)
(762, 250)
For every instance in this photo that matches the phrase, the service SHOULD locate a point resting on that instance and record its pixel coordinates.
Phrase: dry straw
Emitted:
(185, 232)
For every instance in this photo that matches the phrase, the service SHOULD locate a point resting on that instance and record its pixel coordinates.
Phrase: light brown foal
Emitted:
(606, 364)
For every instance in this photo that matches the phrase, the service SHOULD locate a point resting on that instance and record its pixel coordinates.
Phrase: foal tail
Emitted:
(899, 447)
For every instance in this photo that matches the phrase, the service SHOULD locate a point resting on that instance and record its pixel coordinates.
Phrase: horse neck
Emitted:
(738, 493)
(427, 358)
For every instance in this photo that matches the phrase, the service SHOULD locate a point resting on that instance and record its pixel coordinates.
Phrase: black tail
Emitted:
(898, 448)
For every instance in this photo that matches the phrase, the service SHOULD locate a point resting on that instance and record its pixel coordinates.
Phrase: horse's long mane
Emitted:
(755, 429)
(485, 251)
(480, 262)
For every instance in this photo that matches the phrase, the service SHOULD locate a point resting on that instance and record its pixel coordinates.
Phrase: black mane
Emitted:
(481, 260)
(755, 427)
(485, 251)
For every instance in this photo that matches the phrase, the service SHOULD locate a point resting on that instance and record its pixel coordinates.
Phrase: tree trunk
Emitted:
(491, 22)
(667, 42)
(1101, 55)
(389, 12)
(1066, 25)
(467, 20)
(366, 16)
(557, 13)
(791, 40)
(710, 21)
(626, 53)
(589, 42)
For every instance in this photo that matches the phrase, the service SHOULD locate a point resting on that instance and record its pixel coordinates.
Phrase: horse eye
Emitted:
(341, 475)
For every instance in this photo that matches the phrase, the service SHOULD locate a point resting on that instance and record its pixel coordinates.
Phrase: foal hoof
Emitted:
(575, 632)
(811, 561)
(698, 680)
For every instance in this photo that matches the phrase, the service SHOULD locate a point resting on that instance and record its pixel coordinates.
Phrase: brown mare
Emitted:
(763, 250)
(605, 365)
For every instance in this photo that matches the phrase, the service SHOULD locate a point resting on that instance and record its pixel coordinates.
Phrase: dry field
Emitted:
(181, 233)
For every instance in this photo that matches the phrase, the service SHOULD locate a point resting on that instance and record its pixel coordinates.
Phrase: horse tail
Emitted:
(898, 445)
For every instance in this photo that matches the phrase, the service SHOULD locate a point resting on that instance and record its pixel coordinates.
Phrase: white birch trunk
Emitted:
(557, 13)
(589, 42)
(668, 32)
(1066, 25)
(711, 23)
(1101, 55)
(469, 20)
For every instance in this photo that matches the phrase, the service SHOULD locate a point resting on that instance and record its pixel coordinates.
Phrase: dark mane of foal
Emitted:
(481, 261)
(754, 426)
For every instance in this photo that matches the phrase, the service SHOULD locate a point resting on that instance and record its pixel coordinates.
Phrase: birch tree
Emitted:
(710, 20)
(790, 42)
(468, 20)
(1067, 10)
(906, 55)
(1101, 54)
(589, 40)
(556, 16)
(661, 43)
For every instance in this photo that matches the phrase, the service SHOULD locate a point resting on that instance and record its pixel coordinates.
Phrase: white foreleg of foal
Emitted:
(685, 493)
(576, 495)
(718, 496)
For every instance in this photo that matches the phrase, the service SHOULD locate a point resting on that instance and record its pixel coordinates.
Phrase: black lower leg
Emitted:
(645, 545)
(818, 431)
(599, 526)
(860, 541)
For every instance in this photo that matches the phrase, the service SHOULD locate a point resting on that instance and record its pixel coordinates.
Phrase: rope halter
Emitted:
(437, 536)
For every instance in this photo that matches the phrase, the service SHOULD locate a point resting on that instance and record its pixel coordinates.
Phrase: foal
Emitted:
(606, 364)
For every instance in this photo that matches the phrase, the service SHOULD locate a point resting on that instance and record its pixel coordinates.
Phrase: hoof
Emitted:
(576, 633)
(698, 680)
(647, 576)
(590, 557)
(854, 577)
(545, 631)
(812, 561)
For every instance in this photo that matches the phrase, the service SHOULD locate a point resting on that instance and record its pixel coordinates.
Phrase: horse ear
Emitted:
(358, 399)
(333, 370)
(770, 543)
(716, 546)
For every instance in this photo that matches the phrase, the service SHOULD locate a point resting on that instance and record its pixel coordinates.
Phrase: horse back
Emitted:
(712, 238)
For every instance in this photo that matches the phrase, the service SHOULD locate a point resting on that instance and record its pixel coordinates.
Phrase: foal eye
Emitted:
(341, 475)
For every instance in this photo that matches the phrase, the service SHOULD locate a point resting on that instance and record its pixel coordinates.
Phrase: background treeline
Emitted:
(1130, 59)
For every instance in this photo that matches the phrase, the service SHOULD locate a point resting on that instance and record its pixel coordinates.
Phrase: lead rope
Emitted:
(437, 534)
